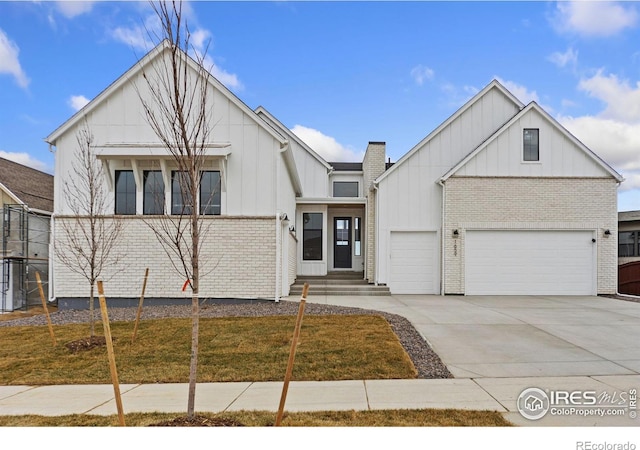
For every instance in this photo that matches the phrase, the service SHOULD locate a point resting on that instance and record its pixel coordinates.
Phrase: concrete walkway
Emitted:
(496, 347)
(490, 394)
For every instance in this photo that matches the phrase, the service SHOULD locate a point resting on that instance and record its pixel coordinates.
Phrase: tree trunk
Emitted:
(195, 310)
(91, 311)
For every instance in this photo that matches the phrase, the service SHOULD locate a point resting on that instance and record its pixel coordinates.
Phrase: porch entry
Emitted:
(342, 249)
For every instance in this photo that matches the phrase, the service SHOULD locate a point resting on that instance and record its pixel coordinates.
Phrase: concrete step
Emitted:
(341, 289)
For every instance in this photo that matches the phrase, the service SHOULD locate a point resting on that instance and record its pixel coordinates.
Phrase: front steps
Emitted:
(337, 283)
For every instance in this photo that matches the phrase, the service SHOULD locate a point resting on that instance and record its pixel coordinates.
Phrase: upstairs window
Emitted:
(530, 145)
(125, 192)
(153, 194)
(210, 193)
(345, 188)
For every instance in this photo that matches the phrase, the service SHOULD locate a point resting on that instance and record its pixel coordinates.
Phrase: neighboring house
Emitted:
(499, 199)
(629, 252)
(27, 205)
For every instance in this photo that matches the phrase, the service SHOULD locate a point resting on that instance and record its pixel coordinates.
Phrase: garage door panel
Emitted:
(413, 262)
(533, 262)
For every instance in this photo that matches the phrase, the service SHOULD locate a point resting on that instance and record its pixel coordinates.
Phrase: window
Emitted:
(357, 240)
(531, 148)
(345, 188)
(125, 192)
(628, 243)
(153, 193)
(312, 236)
(210, 193)
(181, 202)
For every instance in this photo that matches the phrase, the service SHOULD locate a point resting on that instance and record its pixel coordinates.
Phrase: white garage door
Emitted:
(414, 262)
(530, 263)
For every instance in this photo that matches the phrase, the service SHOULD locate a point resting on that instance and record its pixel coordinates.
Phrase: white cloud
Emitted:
(71, 9)
(26, 160)
(421, 73)
(327, 146)
(77, 102)
(614, 133)
(9, 62)
(594, 18)
(570, 57)
(139, 37)
(622, 100)
(521, 92)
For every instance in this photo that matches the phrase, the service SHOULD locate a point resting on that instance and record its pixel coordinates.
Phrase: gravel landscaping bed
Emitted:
(426, 361)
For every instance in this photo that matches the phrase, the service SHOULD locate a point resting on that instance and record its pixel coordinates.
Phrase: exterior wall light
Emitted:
(455, 233)
(607, 233)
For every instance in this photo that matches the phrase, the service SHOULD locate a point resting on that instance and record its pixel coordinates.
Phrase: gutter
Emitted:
(442, 237)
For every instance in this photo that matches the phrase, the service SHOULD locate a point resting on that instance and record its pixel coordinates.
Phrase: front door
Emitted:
(342, 243)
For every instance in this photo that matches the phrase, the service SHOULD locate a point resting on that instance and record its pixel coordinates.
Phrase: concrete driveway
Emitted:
(520, 336)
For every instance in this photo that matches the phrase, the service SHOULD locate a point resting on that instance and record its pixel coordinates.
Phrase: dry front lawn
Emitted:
(231, 349)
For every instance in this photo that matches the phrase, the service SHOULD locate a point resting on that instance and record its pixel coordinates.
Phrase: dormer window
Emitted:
(530, 145)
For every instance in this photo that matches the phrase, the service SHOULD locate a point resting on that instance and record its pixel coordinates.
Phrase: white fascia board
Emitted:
(13, 196)
(128, 151)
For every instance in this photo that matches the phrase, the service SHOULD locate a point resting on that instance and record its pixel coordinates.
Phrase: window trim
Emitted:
(524, 145)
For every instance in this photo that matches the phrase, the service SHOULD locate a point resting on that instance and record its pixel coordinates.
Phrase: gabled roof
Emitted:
(495, 84)
(27, 186)
(534, 106)
(165, 45)
(262, 111)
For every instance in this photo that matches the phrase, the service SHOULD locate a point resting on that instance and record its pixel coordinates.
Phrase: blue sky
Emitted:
(341, 74)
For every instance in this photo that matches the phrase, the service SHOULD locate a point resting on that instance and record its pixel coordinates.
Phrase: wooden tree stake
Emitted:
(292, 354)
(112, 358)
(46, 310)
(139, 313)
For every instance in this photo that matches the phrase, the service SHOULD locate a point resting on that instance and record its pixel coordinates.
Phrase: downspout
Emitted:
(52, 240)
(442, 237)
(376, 228)
(278, 259)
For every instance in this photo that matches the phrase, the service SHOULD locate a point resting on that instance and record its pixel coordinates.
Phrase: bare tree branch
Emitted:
(89, 242)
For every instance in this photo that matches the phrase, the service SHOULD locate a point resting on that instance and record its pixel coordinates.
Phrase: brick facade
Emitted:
(238, 262)
(529, 203)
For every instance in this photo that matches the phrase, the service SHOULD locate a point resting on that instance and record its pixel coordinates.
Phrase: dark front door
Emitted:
(342, 243)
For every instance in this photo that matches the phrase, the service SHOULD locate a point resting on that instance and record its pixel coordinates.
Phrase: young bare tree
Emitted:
(88, 244)
(175, 101)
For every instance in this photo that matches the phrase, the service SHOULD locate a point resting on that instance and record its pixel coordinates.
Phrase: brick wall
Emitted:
(238, 261)
(531, 203)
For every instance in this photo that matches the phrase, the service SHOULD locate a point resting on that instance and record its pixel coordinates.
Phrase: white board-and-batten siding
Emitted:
(409, 196)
